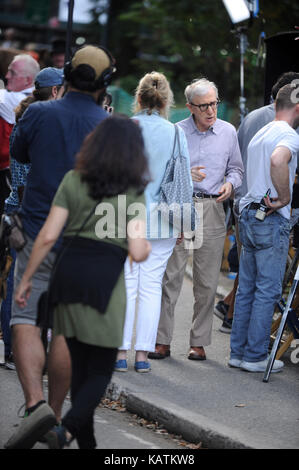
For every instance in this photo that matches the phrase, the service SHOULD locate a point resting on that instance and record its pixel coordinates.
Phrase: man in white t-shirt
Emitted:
(271, 167)
(20, 83)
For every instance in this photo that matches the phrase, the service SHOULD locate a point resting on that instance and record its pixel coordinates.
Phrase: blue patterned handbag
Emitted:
(175, 197)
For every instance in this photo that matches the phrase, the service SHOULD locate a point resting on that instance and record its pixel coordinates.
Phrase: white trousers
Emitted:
(144, 281)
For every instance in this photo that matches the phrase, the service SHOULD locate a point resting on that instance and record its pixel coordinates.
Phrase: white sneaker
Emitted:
(235, 363)
(260, 366)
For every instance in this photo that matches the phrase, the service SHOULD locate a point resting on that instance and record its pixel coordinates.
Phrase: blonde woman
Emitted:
(153, 99)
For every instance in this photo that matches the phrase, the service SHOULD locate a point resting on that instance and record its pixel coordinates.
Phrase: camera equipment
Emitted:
(107, 101)
(262, 210)
(11, 231)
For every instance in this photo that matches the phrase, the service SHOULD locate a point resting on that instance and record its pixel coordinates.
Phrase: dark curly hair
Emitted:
(112, 158)
(83, 78)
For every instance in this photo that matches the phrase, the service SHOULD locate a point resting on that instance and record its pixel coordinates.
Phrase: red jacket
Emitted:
(5, 131)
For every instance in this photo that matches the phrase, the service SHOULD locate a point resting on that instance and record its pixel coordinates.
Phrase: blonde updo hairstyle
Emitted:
(154, 93)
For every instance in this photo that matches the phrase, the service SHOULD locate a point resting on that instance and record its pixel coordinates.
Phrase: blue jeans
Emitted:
(5, 310)
(262, 265)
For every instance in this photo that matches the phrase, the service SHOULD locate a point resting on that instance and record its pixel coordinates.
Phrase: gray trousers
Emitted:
(206, 269)
(40, 282)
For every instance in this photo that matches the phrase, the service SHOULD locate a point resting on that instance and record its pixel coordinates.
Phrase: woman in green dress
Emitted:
(88, 289)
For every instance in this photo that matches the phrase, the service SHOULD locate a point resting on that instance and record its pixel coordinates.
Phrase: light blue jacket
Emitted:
(158, 134)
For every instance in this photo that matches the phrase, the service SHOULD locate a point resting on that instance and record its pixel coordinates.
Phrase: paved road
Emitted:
(203, 401)
(208, 401)
(114, 429)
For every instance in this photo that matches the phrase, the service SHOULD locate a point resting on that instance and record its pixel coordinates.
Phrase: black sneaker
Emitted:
(226, 326)
(10, 363)
(221, 309)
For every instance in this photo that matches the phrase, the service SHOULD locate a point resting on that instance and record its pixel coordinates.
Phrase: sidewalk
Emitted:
(207, 401)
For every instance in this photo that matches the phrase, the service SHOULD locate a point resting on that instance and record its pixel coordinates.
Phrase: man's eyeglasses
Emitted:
(204, 107)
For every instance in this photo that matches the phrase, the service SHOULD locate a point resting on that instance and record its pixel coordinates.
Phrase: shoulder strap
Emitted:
(59, 256)
(85, 221)
(176, 138)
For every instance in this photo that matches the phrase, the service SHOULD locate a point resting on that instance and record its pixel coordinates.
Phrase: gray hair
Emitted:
(199, 87)
(30, 65)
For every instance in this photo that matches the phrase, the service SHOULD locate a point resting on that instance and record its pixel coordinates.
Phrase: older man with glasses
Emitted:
(216, 169)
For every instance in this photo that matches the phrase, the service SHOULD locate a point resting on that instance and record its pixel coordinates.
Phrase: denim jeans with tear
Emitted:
(262, 265)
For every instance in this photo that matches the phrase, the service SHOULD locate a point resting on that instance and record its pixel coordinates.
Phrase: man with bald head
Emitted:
(20, 83)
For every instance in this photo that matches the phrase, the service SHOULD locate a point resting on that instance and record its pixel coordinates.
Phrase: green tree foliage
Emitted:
(186, 39)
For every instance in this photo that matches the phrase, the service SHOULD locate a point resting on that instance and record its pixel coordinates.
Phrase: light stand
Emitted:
(240, 11)
(241, 34)
(69, 30)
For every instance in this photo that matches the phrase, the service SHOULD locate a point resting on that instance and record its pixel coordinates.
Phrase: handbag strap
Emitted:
(85, 222)
(70, 242)
(176, 138)
(174, 142)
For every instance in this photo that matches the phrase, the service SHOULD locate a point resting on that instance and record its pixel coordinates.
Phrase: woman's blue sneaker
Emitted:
(121, 365)
(142, 366)
(56, 438)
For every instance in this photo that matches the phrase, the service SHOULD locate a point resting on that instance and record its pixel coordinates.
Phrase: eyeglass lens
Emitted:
(204, 106)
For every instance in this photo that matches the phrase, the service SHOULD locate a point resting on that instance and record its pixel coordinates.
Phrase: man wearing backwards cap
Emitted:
(49, 135)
